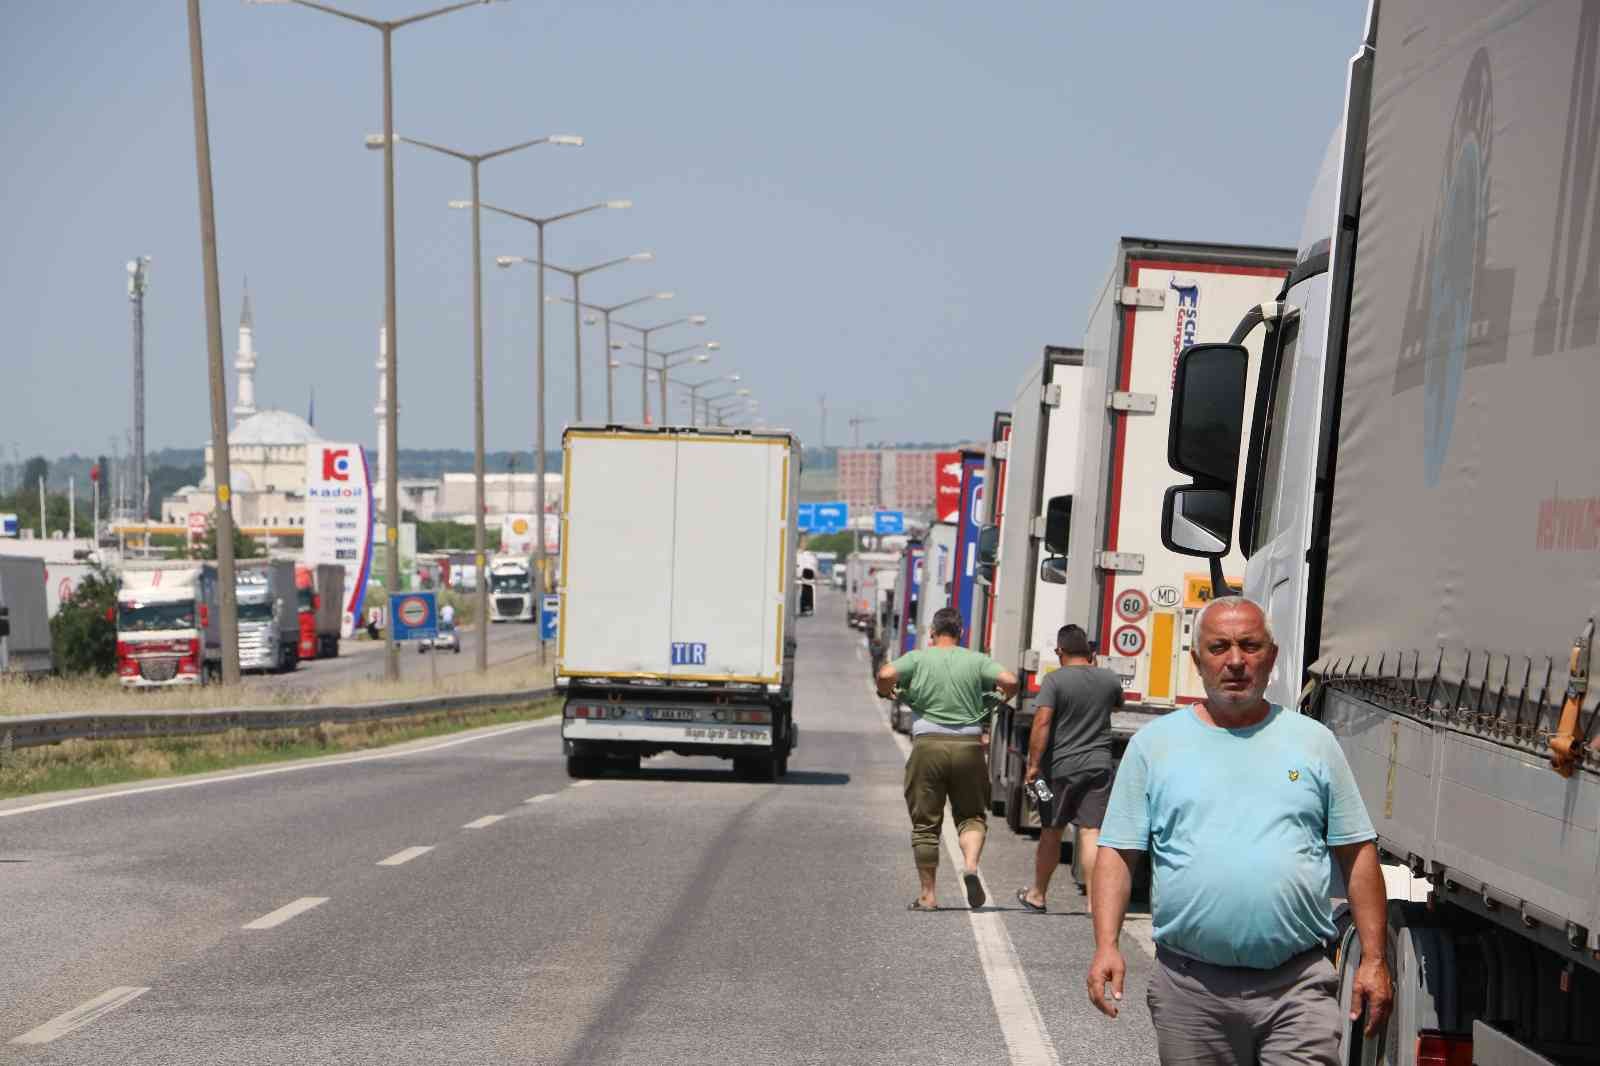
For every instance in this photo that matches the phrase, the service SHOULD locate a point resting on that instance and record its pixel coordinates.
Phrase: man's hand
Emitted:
(1030, 776)
(1373, 990)
(1107, 968)
(983, 741)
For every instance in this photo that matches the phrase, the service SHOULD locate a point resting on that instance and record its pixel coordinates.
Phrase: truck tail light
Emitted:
(753, 717)
(1443, 1049)
(585, 710)
(190, 662)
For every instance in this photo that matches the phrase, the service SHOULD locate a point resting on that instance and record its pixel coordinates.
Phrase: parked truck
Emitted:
(510, 589)
(24, 618)
(859, 586)
(168, 629)
(678, 638)
(269, 615)
(1418, 509)
(319, 592)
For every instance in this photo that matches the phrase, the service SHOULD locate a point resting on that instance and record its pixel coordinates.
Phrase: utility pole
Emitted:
(138, 282)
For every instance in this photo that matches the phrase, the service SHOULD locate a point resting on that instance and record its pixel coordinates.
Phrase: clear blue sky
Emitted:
(896, 207)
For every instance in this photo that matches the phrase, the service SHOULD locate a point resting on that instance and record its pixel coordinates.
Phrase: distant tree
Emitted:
(243, 547)
(166, 479)
(83, 638)
(34, 469)
(841, 543)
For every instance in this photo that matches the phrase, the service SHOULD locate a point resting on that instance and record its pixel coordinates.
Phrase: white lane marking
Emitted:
(285, 912)
(81, 1015)
(540, 798)
(288, 769)
(1028, 1042)
(581, 784)
(400, 858)
(484, 822)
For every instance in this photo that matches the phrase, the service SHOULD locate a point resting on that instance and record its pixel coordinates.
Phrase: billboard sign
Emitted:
(968, 524)
(947, 486)
(339, 519)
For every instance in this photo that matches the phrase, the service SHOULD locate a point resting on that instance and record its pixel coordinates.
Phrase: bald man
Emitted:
(1239, 804)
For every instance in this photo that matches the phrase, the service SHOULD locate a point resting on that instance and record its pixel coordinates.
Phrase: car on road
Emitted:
(447, 640)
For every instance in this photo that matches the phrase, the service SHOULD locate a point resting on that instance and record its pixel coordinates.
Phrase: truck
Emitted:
(510, 589)
(25, 648)
(168, 629)
(1417, 506)
(269, 615)
(677, 633)
(319, 593)
(859, 587)
(991, 514)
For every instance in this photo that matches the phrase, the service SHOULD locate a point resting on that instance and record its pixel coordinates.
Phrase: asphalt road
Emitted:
(362, 660)
(459, 900)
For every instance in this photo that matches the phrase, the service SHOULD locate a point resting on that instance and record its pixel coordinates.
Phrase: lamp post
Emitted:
(539, 223)
(644, 378)
(391, 479)
(606, 313)
(723, 396)
(731, 409)
(479, 534)
(667, 363)
(694, 392)
(576, 274)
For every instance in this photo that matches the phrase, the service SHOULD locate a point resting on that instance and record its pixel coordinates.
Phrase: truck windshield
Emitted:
(149, 617)
(509, 582)
(305, 599)
(255, 611)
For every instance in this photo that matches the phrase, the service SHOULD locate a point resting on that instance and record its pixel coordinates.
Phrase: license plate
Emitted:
(671, 714)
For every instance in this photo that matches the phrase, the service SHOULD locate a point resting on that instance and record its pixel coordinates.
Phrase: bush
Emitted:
(84, 640)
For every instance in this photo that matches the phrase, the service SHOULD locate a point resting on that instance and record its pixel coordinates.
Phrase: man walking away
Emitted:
(1238, 804)
(944, 686)
(1069, 745)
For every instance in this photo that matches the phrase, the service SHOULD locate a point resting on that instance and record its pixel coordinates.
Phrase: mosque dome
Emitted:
(272, 428)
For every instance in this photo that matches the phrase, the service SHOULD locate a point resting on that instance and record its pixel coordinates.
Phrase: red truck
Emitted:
(320, 590)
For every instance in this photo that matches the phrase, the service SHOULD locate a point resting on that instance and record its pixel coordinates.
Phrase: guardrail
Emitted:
(33, 730)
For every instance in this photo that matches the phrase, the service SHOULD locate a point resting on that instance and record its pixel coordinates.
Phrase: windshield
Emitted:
(509, 582)
(305, 599)
(255, 611)
(149, 617)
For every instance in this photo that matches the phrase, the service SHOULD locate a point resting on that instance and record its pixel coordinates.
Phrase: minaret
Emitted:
(382, 411)
(245, 362)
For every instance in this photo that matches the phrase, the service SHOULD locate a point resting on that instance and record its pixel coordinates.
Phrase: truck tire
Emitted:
(756, 767)
(580, 766)
(626, 764)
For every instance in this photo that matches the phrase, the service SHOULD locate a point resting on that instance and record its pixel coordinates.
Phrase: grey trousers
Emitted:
(1231, 1016)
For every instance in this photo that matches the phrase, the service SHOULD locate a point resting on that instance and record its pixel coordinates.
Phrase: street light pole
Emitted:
(606, 312)
(577, 275)
(479, 534)
(391, 479)
(644, 372)
(667, 363)
(227, 604)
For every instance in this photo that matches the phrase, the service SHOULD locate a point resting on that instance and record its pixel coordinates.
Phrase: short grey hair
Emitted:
(1233, 603)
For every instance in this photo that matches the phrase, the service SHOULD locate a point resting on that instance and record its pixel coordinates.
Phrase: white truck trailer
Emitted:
(860, 589)
(1418, 508)
(24, 618)
(168, 629)
(678, 597)
(269, 615)
(510, 589)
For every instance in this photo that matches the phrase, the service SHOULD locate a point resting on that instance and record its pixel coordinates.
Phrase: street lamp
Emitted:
(479, 534)
(606, 311)
(539, 223)
(667, 363)
(694, 392)
(644, 378)
(391, 463)
(576, 274)
(724, 402)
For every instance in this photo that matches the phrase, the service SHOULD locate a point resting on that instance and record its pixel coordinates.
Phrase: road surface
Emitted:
(460, 900)
(362, 660)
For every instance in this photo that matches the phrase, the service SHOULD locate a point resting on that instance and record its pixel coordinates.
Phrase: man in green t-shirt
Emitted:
(944, 685)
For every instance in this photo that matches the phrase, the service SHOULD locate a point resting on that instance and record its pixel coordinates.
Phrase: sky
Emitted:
(895, 205)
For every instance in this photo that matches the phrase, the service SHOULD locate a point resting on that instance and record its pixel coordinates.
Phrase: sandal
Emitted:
(916, 905)
(1036, 908)
(976, 897)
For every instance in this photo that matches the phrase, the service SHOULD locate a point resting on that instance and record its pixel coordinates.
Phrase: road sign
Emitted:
(806, 518)
(549, 615)
(885, 522)
(1128, 640)
(1131, 605)
(832, 517)
(415, 615)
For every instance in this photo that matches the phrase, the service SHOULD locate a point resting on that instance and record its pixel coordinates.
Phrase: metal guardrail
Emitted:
(33, 730)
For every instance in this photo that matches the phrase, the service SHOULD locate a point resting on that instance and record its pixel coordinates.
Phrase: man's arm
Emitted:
(1038, 737)
(1369, 908)
(1007, 684)
(1112, 888)
(887, 677)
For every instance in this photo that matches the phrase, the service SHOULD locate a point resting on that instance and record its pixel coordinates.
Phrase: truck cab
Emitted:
(510, 590)
(168, 631)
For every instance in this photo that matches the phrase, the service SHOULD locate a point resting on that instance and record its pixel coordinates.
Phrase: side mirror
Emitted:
(1197, 521)
(1053, 570)
(205, 616)
(316, 603)
(985, 574)
(1057, 524)
(988, 546)
(1208, 412)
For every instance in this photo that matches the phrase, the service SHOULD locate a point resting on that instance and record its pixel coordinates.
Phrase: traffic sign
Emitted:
(415, 615)
(886, 522)
(806, 518)
(1128, 640)
(831, 517)
(1132, 605)
(549, 615)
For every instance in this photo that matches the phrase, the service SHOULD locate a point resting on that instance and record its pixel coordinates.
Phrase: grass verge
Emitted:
(88, 763)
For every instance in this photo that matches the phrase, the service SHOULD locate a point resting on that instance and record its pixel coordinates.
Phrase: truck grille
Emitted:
(508, 604)
(158, 669)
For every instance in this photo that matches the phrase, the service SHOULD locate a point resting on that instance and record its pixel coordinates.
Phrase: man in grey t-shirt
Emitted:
(1070, 747)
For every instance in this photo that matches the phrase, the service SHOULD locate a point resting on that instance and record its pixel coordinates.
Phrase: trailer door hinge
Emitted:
(1036, 528)
(1143, 403)
(1120, 562)
(1002, 449)
(1129, 296)
(1052, 396)
(1030, 660)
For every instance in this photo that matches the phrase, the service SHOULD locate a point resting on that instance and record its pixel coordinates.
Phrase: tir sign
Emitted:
(684, 654)
(336, 464)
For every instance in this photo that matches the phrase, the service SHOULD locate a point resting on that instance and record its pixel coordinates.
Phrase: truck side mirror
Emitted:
(988, 546)
(1208, 413)
(205, 616)
(1053, 570)
(985, 574)
(1197, 521)
(5, 621)
(316, 603)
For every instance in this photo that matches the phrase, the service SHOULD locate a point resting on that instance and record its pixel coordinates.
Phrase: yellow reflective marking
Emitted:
(1163, 625)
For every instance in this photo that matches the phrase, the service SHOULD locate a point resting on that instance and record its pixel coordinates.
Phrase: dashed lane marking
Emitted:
(285, 912)
(400, 858)
(484, 822)
(81, 1015)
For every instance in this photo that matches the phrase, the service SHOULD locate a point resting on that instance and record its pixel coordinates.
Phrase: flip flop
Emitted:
(975, 894)
(1036, 908)
(916, 905)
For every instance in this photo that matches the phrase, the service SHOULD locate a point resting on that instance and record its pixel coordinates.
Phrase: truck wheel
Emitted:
(756, 768)
(580, 766)
(1014, 807)
(781, 765)
(626, 764)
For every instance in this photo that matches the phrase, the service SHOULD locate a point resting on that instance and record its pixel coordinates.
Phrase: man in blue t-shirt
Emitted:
(1238, 803)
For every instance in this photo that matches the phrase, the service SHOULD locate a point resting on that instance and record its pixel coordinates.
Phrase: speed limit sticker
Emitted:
(1128, 640)
(1131, 605)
